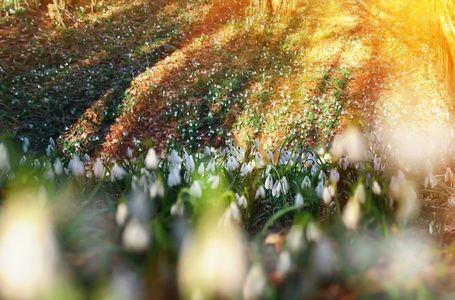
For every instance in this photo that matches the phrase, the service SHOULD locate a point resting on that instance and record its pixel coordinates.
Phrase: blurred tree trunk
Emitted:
(275, 7)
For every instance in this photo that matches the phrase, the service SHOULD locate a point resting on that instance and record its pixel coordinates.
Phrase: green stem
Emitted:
(279, 215)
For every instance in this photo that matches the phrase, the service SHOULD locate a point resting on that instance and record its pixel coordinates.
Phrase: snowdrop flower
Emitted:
(98, 168)
(26, 144)
(232, 164)
(214, 181)
(276, 191)
(449, 175)
(431, 181)
(244, 170)
(344, 163)
(284, 185)
(174, 158)
(86, 157)
(37, 164)
(322, 176)
(49, 173)
(284, 264)
(359, 193)
(151, 160)
(242, 202)
(295, 240)
(267, 170)
(121, 214)
(314, 170)
(306, 183)
(260, 192)
(76, 166)
(376, 163)
(135, 237)
(177, 209)
(270, 156)
(174, 177)
(230, 217)
(351, 213)
(207, 152)
(23, 161)
(117, 173)
(189, 163)
(259, 159)
(255, 283)
(376, 188)
(326, 195)
(256, 144)
(49, 150)
(334, 176)
(320, 189)
(58, 167)
(298, 201)
(211, 166)
(269, 182)
(52, 142)
(156, 189)
(201, 169)
(195, 189)
(129, 153)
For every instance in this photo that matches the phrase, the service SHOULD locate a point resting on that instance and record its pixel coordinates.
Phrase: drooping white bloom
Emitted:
(449, 175)
(306, 183)
(49, 173)
(121, 214)
(376, 188)
(58, 167)
(255, 284)
(195, 189)
(211, 166)
(334, 176)
(259, 159)
(344, 163)
(320, 189)
(207, 152)
(376, 163)
(76, 166)
(256, 144)
(326, 196)
(270, 156)
(298, 201)
(242, 202)
(4, 158)
(214, 181)
(269, 182)
(351, 213)
(201, 169)
(314, 170)
(284, 185)
(49, 150)
(151, 160)
(37, 164)
(322, 176)
(174, 177)
(129, 153)
(244, 170)
(431, 181)
(86, 157)
(135, 237)
(98, 168)
(117, 173)
(177, 209)
(231, 216)
(23, 161)
(232, 163)
(276, 191)
(359, 193)
(156, 189)
(260, 192)
(284, 264)
(174, 158)
(189, 163)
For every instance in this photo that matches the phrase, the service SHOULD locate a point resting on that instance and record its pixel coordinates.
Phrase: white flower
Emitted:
(449, 175)
(322, 176)
(135, 237)
(117, 173)
(284, 185)
(298, 201)
(242, 202)
(195, 189)
(129, 153)
(37, 164)
(259, 159)
(351, 214)
(211, 166)
(260, 192)
(76, 166)
(177, 209)
(156, 189)
(284, 264)
(276, 191)
(58, 167)
(344, 163)
(4, 158)
(49, 150)
(306, 183)
(431, 181)
(256, 144)
(189, 163)
(121, 214)
(207, 152)
(231, 216)
(255, 283)
(270, 156)
(174, 177)
(326, 195)
(214, 181)
(244, 170)
(334, 176)
(232, 163)
(269, 182)
(320, 189)
(98, 168)
(376, 163)
(86, 157)
(314, 170)
(201, 169)
(23, 160)
(376, 188)
(173, 158)
(49, 173)
(151, 160)
(359, 193)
